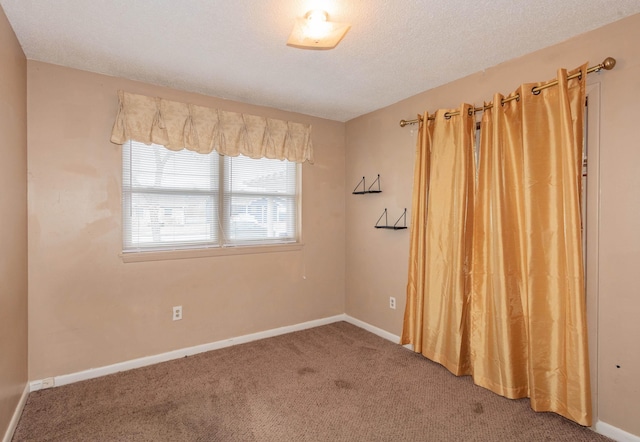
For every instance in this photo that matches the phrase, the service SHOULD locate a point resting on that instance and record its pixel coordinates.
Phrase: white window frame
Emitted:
(222, 244)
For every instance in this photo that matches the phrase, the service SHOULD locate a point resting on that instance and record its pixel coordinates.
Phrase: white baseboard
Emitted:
(615, 433)
(176, 354)
(13, 423)
(190, 351)
(600, 427)
(373, 329)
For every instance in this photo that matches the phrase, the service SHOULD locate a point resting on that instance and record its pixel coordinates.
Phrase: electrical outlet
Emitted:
(392, 302)
(177, 312)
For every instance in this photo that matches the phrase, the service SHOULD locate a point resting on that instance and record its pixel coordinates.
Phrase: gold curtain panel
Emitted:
(178, 126)
(496, 279)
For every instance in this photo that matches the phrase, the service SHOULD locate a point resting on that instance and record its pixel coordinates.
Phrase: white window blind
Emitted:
(182, 199)
(259, 199)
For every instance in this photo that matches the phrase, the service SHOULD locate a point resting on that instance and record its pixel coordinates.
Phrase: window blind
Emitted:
(183, 199)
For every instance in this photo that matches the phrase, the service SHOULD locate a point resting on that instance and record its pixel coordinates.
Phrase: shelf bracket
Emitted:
(377, 180)
(364, 189)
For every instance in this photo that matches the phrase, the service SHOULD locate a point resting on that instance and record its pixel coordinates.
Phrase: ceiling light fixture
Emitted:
(315, 31)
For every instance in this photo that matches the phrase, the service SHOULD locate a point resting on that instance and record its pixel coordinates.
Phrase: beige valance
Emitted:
(202, 129)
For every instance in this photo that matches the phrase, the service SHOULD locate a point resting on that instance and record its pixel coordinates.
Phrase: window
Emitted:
(181, 200)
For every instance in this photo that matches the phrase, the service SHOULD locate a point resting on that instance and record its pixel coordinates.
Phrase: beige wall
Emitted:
(13, 222)
(377, 260)
(89, 309)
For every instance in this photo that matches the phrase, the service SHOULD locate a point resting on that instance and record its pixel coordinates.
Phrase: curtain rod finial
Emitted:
(609, 63)
(403, 123)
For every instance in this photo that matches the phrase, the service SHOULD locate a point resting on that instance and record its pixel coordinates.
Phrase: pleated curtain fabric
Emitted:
(414, 307)
(201, 129)
(438, 291)
(523, 319)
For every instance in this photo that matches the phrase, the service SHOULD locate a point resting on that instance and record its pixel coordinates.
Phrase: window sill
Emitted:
(165, 255)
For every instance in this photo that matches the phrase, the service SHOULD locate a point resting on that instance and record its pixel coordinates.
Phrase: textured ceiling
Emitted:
(236, 49)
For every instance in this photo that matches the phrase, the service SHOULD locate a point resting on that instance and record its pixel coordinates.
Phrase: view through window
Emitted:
(183, 199)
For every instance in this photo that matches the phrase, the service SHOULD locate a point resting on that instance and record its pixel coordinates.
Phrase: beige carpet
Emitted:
(331, 383)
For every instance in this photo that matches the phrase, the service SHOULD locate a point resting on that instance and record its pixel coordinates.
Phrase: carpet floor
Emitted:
(331, 383)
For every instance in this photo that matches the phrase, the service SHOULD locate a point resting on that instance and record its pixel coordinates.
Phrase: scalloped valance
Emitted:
(179, 126)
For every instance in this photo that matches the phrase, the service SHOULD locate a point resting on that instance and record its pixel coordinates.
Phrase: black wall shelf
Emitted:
(367, 189)
(386, 225)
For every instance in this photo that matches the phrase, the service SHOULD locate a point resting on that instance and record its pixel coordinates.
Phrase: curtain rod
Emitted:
(607, 64)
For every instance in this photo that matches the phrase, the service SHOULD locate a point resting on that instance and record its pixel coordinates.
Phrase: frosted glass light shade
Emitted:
(315, 31)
